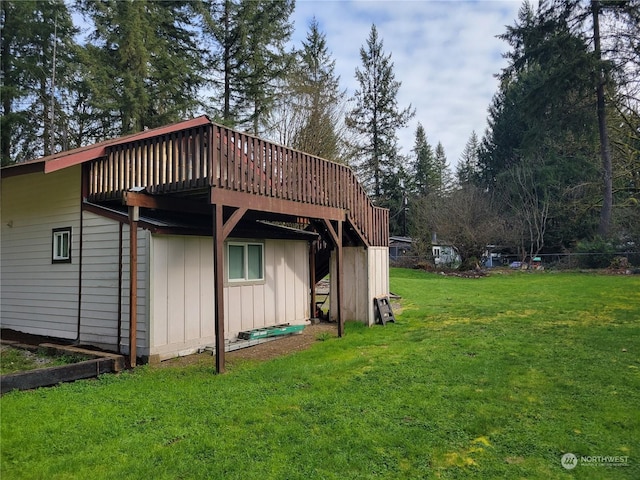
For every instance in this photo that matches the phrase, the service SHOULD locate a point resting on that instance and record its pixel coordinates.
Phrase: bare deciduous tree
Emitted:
(465, 219)
(529, 207)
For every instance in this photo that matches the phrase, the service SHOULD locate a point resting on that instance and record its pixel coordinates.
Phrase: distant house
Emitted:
(400, 247)
(444, 254)
(160, 243)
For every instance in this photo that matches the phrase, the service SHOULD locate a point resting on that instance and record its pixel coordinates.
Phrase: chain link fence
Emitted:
(561, 261)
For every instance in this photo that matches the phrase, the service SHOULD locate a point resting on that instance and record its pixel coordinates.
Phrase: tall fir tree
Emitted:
(37, 50)
(542, 121)
(268, 61)
(376, 117)
(444, 173)
(249, 60)
(143, 61)
(425, 171)
(467, 168)
(316, 98)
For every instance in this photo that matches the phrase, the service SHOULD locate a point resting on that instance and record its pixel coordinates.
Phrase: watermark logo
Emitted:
(571, 461)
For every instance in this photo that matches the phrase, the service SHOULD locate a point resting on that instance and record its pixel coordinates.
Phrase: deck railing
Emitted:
(212, 155)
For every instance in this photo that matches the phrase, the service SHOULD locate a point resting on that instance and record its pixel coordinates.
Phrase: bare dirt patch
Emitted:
(264, 351)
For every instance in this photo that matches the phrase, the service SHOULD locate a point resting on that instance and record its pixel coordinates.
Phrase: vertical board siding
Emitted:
(356, 295)
(158, 292)
(181, 292)
(100, 281)
(37, 296)
(366, 276)
(182, 299)
(378, 260)
(282, 298)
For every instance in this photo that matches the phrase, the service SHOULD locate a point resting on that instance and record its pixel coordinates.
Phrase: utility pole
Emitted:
(404, 213)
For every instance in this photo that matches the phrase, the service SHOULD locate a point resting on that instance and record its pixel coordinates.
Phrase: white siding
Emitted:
(101, 291)
(182, 293)
(378, 276)
(365, 276)
(100, 287)
(37, 296)
(356, 283)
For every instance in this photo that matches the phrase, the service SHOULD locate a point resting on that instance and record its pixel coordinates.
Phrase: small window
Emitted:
(245, 262)
(61, 245)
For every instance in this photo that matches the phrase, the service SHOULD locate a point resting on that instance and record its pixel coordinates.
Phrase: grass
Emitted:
(13, 360)
(495, 377)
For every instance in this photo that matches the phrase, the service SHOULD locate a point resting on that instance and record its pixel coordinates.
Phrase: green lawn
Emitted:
(495, 377)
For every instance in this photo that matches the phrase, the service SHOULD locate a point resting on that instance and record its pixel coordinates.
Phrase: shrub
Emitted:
(596, 253)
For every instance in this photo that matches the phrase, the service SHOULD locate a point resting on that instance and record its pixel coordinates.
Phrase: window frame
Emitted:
(245, 256)
(57, 236)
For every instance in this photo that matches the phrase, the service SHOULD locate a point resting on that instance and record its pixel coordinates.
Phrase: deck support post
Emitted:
(221, 230)
(218, 284)
(312, 277)
(340, 281)
(336, 237)
(134, 216)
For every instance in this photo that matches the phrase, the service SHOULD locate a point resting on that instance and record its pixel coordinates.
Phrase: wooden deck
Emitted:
(241, 169)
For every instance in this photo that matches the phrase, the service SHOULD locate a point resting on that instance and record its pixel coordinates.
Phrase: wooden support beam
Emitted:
(218, 284)
(158, 202)
(134, 216)
(232, 221)
(333, 233)
(274, 205)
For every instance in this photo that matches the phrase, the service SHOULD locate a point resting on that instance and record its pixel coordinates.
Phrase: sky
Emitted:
(445, 54)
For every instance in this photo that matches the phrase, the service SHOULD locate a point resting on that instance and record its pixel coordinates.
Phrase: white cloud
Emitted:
(445, 53)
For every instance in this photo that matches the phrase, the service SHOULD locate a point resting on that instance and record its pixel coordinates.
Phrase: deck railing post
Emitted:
(213, 155)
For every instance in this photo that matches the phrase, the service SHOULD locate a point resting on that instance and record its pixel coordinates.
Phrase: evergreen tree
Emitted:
(395, 197)
(542, 122)
(143, 60)
(426, 177)
(467, 168)
(444, 173)
(249, 60)
(376, 117)
(268, 62)
(37, 54)
(227, 36)
(318, 97)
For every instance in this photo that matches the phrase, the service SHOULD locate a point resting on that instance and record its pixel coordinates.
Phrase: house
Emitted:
(162, 242)
(444, 254)
(399, 247)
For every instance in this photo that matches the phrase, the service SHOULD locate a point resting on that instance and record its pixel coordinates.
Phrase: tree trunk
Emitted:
(605, 150)
(227, 46)
(6, 126)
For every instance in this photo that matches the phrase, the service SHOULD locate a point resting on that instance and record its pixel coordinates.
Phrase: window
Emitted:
(245, 262)
(61, 245)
